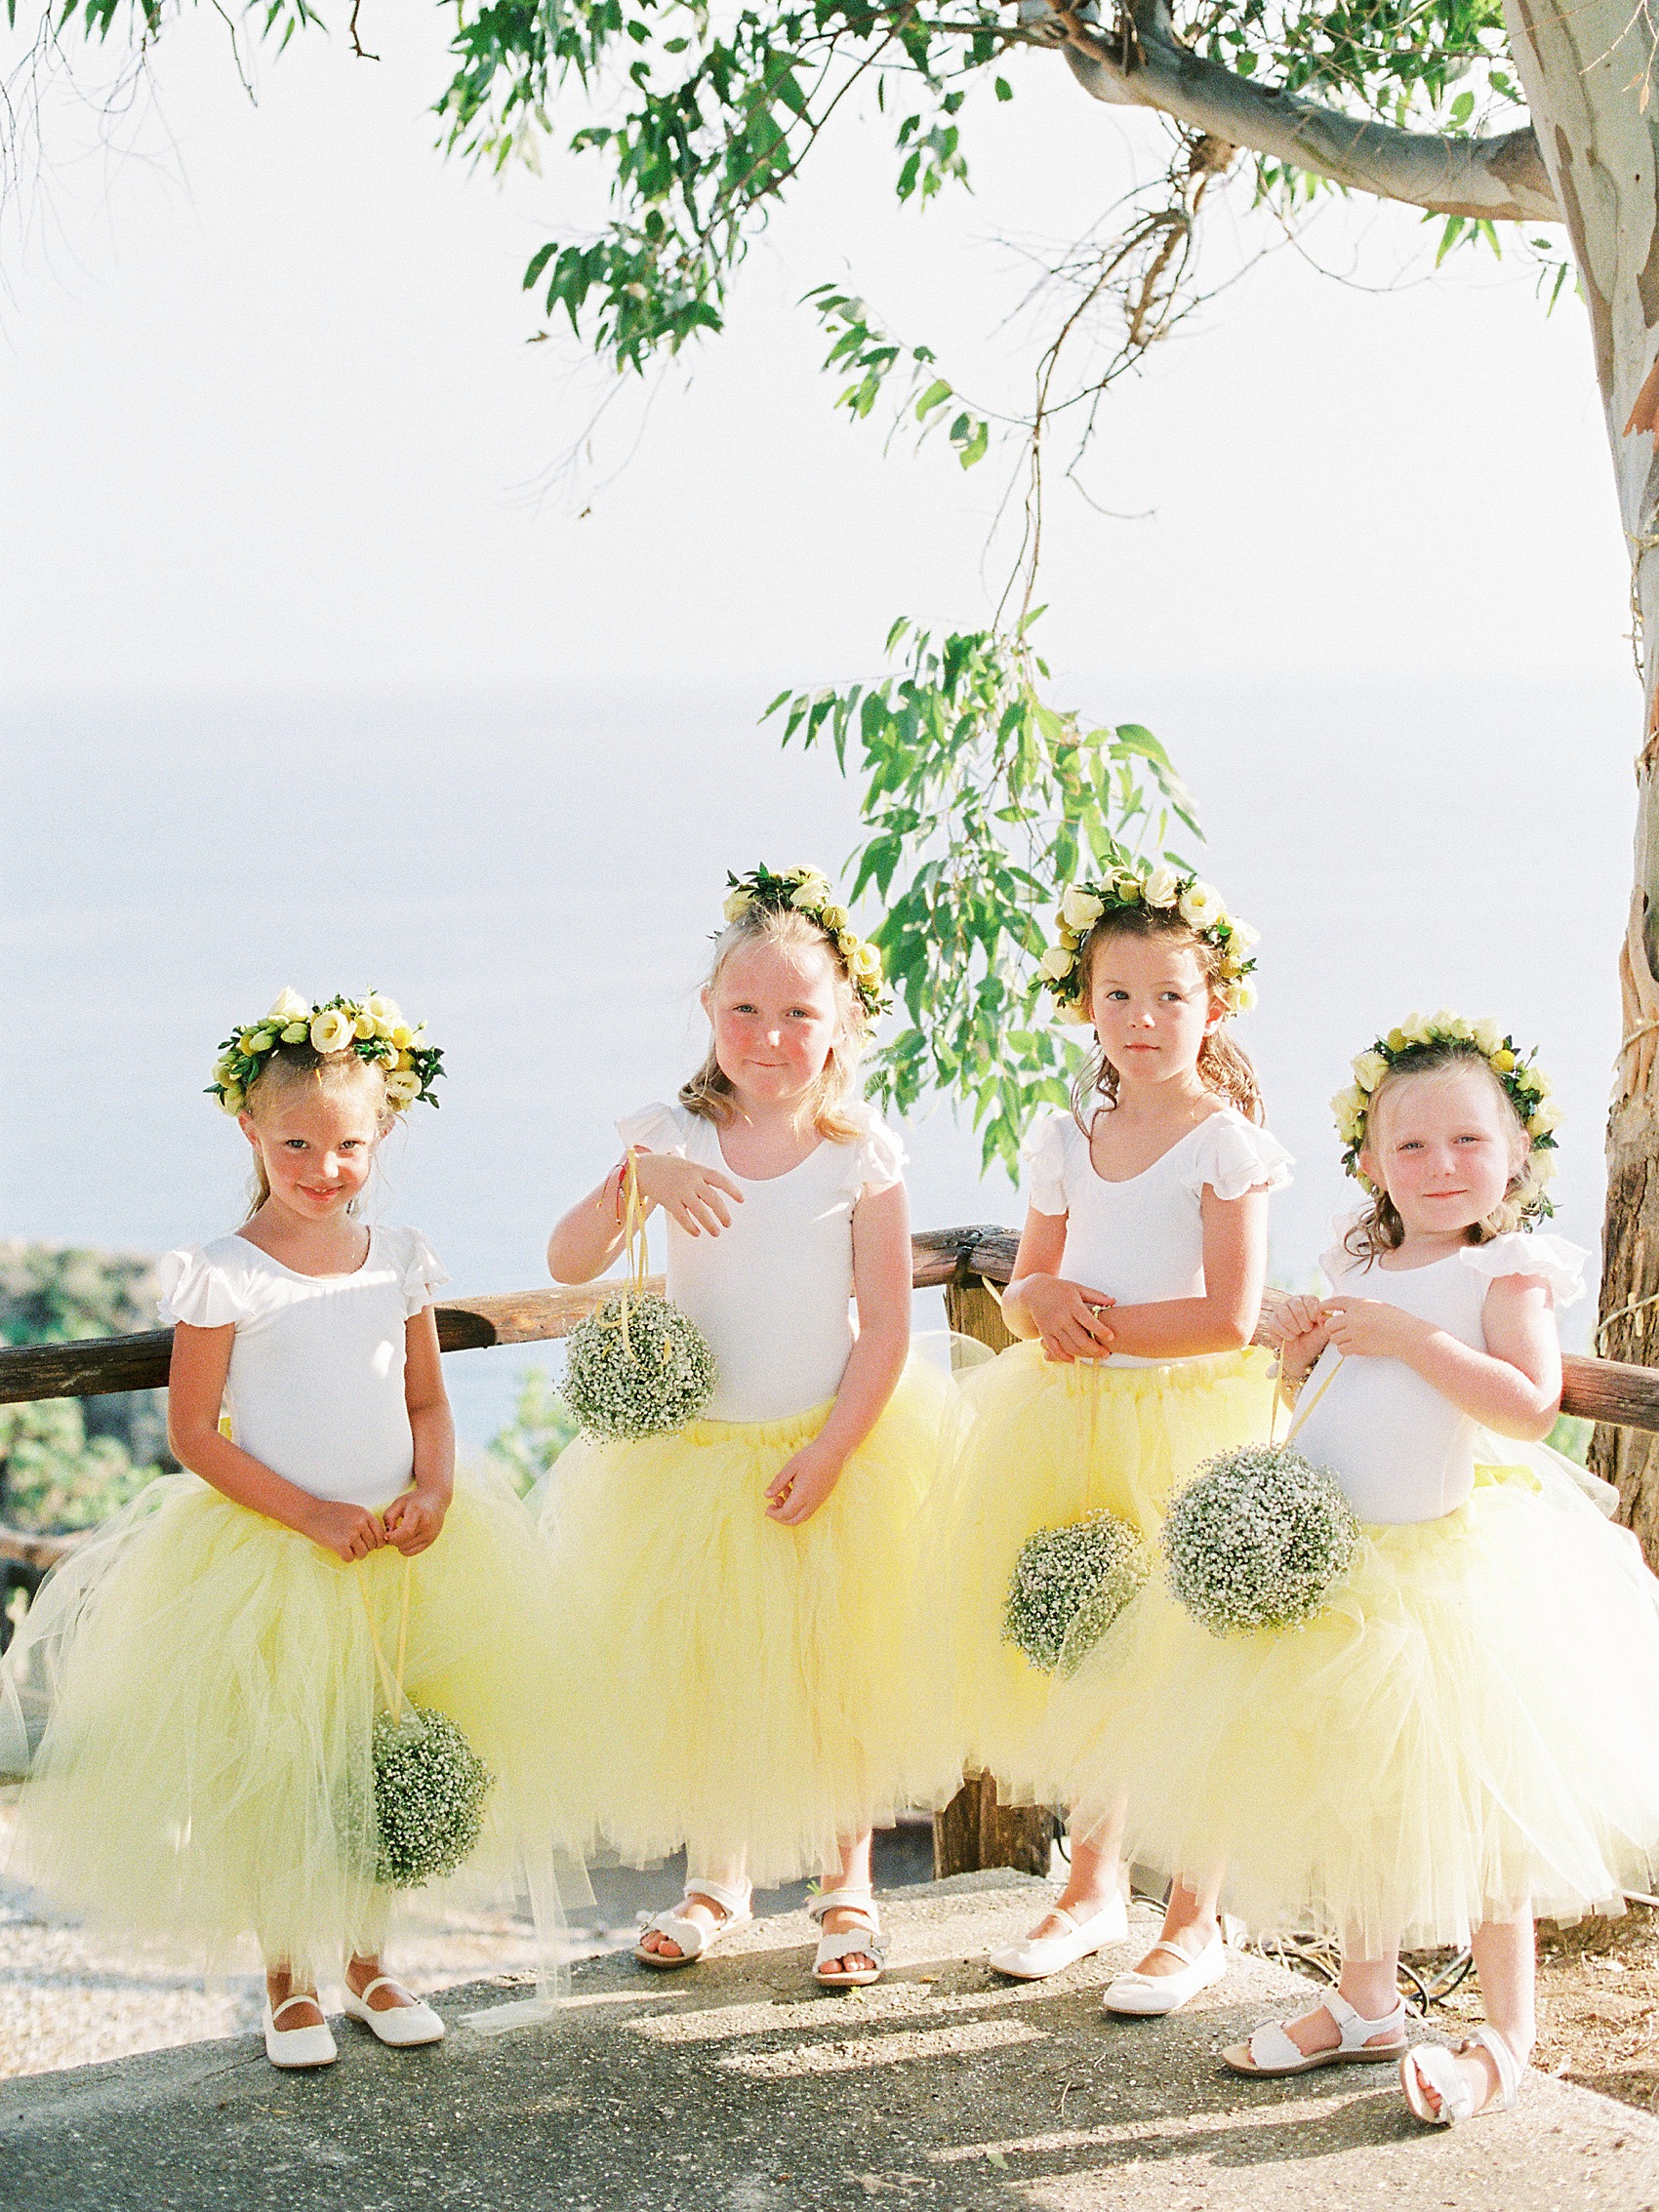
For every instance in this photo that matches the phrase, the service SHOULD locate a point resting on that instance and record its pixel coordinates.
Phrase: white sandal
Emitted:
(695, 1940)
(864, 1937)
(404, 2026)
(1272, 2056)
(298, 2046)
(1038, 1957)
(1434, 2065)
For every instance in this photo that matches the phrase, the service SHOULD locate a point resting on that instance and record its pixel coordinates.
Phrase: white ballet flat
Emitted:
(864, 1937)
(295, 2047)
(695, 1940)
(1148, 1996)
(1434, 2065)
(1271, 2055)
(1038, 1957)
(406, 2026)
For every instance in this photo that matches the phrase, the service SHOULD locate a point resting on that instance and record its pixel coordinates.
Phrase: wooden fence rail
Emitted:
(974, 1830)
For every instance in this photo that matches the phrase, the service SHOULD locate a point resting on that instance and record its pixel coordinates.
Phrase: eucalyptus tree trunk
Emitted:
(1586, 69)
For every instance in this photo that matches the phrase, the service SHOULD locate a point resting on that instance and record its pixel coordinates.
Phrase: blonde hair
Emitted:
(291, 1068)
(1379, 1227)
(708, 1093)
(1224, 1067)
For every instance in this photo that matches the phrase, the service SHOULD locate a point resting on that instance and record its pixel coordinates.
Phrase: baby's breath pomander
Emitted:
(430, 1792)
(1069, 1585)
(637, 1367)
(1258, 1539)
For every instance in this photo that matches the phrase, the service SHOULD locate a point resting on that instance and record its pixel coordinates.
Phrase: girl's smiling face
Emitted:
(1446, 1146)
(316, 1142)
(776, 1013)
(1150, 1003)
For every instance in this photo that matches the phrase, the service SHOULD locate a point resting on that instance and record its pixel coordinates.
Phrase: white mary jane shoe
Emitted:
(1038, 1957)
(295, 2047)
(1148, 1996)
(405, 2026)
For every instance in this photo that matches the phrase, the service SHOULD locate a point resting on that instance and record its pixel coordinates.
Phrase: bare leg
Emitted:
(1504, 1958)
(853, 1872)
(280, 1985)
(1371, 1987)
(705, 1911)
(1189, 1922)
(1094, 1880)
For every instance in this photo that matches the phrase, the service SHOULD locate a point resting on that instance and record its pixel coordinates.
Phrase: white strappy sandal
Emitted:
(695, 1940)
(1434, 2065)
(863, 1938)
(1272, 2056)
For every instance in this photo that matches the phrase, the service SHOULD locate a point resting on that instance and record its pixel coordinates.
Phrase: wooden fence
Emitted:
(974, 1830)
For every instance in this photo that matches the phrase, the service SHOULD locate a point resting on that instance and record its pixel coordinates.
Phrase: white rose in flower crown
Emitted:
(1543, 1119)
(1055, 963)
(1487, 1035)
(1080, 910)
(1450, 1024)
(289, 1006)
(231, 1098)
(1161, 886)
(738, 904)
(1202, 908)
(1349, 1107)
(1370, 1069)
(333, 1030)
(385, 1010)
(834, 920)
(1241, 933)
(864, 963)
(403, 1087)
(1416, 1030)
(1239, 997)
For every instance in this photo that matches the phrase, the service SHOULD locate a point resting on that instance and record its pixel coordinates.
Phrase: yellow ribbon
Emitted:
(638, 1264)
(391, 1683)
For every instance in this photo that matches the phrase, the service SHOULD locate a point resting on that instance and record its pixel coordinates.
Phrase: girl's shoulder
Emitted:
(876, 1155)
(208, 1286)
(1550, 1259)
(660, 1128)
(1230, 1154)
(1052, 1147)
(411, 1261)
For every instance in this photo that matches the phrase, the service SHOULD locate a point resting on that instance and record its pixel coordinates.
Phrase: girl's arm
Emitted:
(195, 1389)
(1514, 1387)
(1224, 1319)
(588, 1238)
(1039, 1301)
(882, 1285)
(414, 1518)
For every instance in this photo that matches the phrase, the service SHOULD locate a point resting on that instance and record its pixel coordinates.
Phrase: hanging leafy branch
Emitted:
(983, 803)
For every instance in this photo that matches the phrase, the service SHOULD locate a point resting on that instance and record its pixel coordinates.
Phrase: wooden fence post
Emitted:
(974, 1830)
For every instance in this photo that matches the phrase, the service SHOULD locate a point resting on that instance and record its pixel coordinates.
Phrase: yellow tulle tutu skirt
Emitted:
(761, 1681)
(209, 1685)
(1035, 1443)
(1469, 1728)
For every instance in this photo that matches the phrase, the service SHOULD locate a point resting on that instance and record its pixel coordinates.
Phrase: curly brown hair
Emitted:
(1224, 1067)
(1379, 1227)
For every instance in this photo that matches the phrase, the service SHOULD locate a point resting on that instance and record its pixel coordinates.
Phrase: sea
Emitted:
(538, 878)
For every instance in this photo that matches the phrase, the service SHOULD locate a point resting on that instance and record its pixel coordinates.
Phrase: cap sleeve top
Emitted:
(315, 1384)
(773, 1293)
(1141, 1240)
(1401, 1451)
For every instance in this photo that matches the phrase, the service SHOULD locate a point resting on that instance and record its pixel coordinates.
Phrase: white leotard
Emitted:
(1400, 1450)
(1141, 1241)
(315, 1387)
(773, 1293)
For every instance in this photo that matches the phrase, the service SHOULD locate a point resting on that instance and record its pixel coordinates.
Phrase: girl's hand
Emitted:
(350, 1532)
(414, 1520)
(692, 1195)
(1068, 1317)
(1297, 1354)
(1370, 1329)
(801, 1485)
(1285, 1317)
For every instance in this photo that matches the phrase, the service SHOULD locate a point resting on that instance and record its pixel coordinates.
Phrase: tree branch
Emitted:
(1141, 63)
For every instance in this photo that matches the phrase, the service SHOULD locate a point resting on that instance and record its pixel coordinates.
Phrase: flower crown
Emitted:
(1162, 889)
(1526, 1086)
(371, 1027)
(807, 891)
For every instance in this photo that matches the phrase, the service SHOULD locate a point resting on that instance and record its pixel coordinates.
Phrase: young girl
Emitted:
(1468, 1733)
(1137, 1289)
(214, 1656)
(748, 1582)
